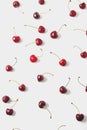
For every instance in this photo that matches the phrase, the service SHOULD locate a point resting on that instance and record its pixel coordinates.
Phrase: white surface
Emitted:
(28, 114)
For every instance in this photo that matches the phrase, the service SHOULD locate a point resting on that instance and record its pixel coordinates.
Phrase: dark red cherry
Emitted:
(41, 29)
(9, 111)
(79, 117)
(83, 54)
(72, 13)
(63, 89)
(86, 88)
(82, 5)
(41, 2)
(33, 58)
(22, 87)
(16, 4)
(62, 62)
(42, 104)
(5, 98)
(54, 34)
(40, 78)
(36, 15)
(38, 41)
(16, 39)
(9, 68)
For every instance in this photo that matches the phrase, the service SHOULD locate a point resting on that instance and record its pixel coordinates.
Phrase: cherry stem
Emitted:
(48, 73)
(14, 31)
(55, 55)
(30, 26)
(63, 25)
(41, 53)
(68, 81)
(49, 113)
(14, 103)
(69, 4)
(78, 48)
(16, 129)
(75, 106)
(46, 11)
(29, 44)
(80, 30)
(15, 61)
(14, 81)
(61, 126)
(80, 82)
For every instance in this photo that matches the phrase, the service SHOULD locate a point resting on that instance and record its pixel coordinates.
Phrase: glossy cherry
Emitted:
(9, 111)
(5, 99)
(33, 58)
(16, 4)
(72, 13)
(36, 15)
(41, 29)
(40, 77)
(79, 116)
(41, 2)
(82, 5)
(16, 39)
(85, 86)
(38, 41)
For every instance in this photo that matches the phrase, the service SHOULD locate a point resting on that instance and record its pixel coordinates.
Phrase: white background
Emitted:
(28, 114)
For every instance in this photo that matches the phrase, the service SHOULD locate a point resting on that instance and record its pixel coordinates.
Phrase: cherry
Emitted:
(41, 29)
(62, 62)
(10, 111)
(42, 104)
(5, 98)
(37, 41)
(85, 86)
(16, 4)
(36, 15)
(63, 89)
(16, 38)
(54, 34)
(41, 2)
(21, 87)
(33, 58)
(79, 116)
(72, 13)
(83, 54)
(40, 77)
(10, 67)
(82, 5)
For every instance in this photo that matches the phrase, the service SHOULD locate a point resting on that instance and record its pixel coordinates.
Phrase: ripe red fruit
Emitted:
(41, 29)
(22, 87)
(38, 41)
(5, 98)
(36, 15)
(83, 54)
(16, 4)
(54, 34)
(42, 104)
(79, 117)
(33, 58)
(82, 5)
(40, 77)
(62, 62)
(72, 13)
(9, 111)
(41, 2)
(63, 89)
(9, 68)
(16, 39)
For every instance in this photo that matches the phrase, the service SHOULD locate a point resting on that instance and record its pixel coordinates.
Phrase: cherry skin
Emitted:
(86, 88)
(42, 104)
(72, 13)
(41, 2)
(9, 111)
(62, 62)
(82, 5)
(9, 68)
(41, 29)
(83, 54)
(63, 89)
(79, 117)
(53, 34)
(38, 41)
(40, 78)
(5, 98)
(36, 15)
(16, 4)
(22, 87)
(33, 58)
(16, 39)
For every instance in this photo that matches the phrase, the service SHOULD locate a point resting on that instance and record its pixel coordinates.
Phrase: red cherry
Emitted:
(42, 104)
(83, 54)
(36, 15)
(62, 62)
(9, 68)
(16, 39)
(72, 13)
(40, 77)
(63, 89)
(16, 4)
(41, 29)
(33, 58)
(79, 117)
(5, 98)
(9, 111)
(54, 34)
(38, 41)
(82, 5)
(41, 2)
(22, 87)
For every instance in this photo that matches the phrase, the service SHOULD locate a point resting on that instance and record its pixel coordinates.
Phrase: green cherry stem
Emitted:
(75, 107)
(78, 47)
(80, 82)
(14, 103)
(14, 81)
(61, 126)
(55, 55)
